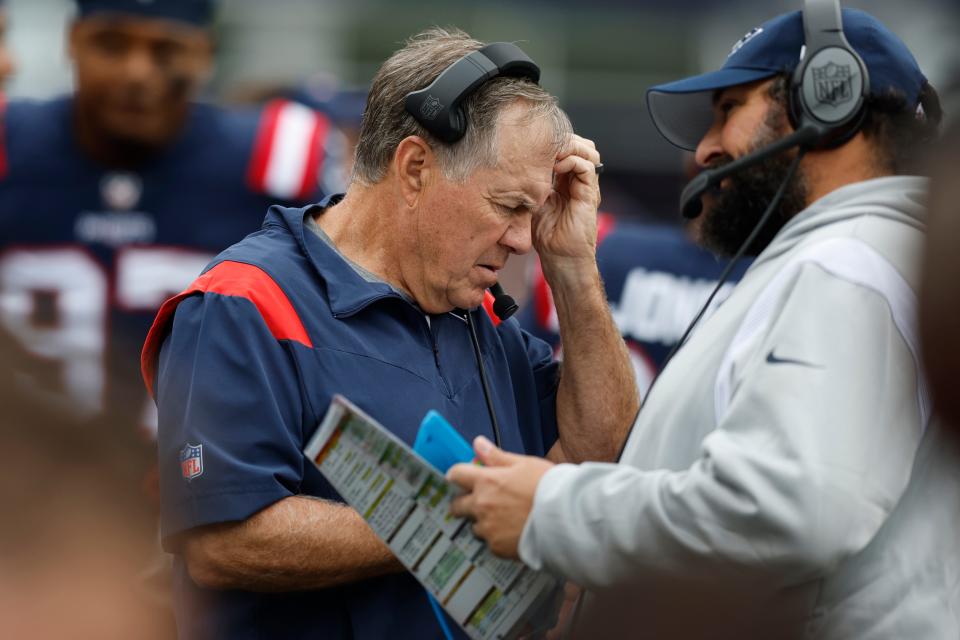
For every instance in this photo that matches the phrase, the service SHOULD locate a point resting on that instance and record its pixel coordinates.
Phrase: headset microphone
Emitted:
(504, 305)
(690, 203)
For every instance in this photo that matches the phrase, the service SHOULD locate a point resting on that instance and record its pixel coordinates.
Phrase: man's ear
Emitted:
(414, 163)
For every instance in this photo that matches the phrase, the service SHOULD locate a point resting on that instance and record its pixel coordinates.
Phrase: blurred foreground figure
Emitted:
(940, 294)
(114, 198)
(74, 529)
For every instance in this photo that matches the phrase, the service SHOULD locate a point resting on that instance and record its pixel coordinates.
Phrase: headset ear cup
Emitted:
(828, 91)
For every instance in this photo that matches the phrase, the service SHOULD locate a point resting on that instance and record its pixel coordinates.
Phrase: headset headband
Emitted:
(438, 106)
(831, 81)
(823, 24)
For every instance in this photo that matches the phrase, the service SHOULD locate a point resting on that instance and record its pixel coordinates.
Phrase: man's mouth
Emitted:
(491, 270)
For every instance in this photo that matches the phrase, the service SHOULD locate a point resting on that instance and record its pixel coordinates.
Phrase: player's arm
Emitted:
(299, 542)
(597, 399)
(232, 410)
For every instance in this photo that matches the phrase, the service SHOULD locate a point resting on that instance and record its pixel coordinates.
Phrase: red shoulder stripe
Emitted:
(230, 279)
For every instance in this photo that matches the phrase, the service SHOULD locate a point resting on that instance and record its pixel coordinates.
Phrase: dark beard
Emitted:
(732, 213)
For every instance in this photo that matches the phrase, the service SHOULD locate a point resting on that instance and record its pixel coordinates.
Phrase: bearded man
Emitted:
(784, 477)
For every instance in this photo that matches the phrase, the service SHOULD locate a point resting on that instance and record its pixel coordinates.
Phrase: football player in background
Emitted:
(115, 197)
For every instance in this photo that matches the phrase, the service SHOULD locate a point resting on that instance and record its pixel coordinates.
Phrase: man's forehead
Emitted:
(528, 143)
(528, 188)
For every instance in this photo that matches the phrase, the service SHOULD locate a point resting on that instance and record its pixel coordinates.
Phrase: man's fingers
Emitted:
(464, 475)
(584, 147)
(584, 169)
(462, 507)
(581, 147)
(490, 455)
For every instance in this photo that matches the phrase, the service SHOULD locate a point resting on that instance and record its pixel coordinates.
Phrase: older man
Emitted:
(364, 295)
(784, 478)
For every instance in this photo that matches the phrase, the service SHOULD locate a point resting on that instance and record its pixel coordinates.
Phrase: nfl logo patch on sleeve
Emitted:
(191, 461)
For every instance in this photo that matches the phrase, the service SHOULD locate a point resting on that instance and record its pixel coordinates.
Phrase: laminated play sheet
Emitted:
(406, 502)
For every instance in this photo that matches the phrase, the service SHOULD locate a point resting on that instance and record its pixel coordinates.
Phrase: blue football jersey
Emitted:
(656, 279)
(88, 253)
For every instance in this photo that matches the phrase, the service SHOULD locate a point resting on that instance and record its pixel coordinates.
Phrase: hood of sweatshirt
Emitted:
(898, 198)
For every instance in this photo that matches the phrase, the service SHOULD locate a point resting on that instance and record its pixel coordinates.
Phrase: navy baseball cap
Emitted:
(683, 110)
(193, 12)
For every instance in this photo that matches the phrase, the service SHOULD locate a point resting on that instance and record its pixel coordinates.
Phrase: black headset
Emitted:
(827, 99)
(438, 107)
(829, 87)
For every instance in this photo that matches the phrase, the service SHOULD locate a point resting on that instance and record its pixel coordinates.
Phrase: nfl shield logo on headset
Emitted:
(191, 461)
(833, 83)
(431, 107)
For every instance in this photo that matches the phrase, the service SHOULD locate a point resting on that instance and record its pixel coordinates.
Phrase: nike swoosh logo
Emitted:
(773, 359)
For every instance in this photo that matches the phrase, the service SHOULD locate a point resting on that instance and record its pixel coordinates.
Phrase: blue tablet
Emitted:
(440, 444)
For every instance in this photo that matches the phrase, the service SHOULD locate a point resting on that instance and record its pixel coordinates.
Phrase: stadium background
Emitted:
(598, 59)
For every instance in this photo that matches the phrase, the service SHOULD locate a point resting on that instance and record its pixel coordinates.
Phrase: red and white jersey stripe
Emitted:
(289, 150)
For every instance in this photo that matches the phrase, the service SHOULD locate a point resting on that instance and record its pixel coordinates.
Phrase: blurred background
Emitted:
(598, 60)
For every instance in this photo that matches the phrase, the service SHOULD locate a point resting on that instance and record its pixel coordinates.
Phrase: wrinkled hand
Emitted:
(499, 495)
(565, 227)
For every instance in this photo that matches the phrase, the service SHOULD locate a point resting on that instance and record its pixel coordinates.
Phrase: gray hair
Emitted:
(424, 56)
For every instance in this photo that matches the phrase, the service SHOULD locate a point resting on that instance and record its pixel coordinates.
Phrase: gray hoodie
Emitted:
(784, 478)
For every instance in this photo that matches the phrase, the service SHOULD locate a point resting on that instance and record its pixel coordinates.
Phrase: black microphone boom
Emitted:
(503, 304)
(690, 204)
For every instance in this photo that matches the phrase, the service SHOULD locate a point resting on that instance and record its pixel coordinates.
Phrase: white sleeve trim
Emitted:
(846, 258)
(289, 157)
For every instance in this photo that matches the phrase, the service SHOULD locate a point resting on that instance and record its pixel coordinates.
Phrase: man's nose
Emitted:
(709, 147)
(518, 236)
(138, 66)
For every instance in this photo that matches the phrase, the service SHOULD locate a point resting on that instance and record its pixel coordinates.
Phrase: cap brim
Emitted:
(682, 111)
